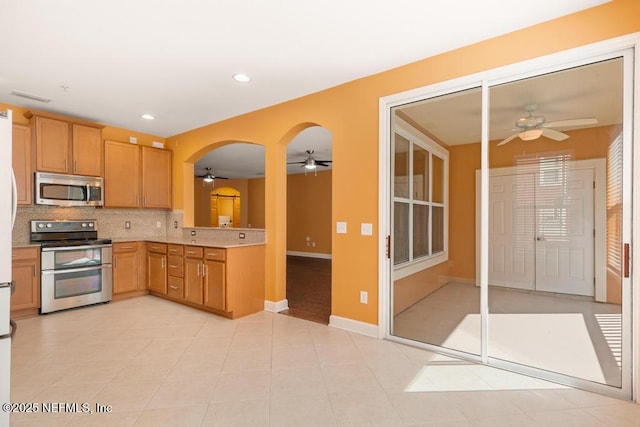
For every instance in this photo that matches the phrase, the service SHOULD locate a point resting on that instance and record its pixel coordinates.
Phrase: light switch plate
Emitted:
(341, 227)
(366, 229)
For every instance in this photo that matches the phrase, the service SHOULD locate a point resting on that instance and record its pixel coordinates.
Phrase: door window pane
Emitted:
(400, 233)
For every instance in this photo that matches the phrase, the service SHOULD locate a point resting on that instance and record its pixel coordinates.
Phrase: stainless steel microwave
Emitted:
(68, 190)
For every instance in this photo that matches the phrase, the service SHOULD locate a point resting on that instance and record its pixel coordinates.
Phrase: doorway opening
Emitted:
(309, 184)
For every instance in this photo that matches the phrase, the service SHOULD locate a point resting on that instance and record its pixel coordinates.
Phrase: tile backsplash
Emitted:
(111, 222)
(145, 223)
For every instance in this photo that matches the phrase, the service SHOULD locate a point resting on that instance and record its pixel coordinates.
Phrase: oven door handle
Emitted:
(75, 270)
(74, 248)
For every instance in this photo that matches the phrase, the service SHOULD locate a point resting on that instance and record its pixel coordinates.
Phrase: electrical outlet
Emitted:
(193, 232)
(158, 224)
(241, 236)
(175, 224)
(364, 297)
(127, 225)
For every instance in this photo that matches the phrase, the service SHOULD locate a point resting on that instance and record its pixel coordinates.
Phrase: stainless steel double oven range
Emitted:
(75, 264)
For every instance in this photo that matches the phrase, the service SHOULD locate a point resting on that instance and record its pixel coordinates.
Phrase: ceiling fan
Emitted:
(533, 127)
(209, 177)
(311, 162)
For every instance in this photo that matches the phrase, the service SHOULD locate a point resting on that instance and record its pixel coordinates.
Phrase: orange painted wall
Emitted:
(255, 217)
(309, 212)
(350, 112)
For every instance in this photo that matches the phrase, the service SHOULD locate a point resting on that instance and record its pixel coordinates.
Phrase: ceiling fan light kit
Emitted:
(532, 127)
(530, 135)
(310, 163)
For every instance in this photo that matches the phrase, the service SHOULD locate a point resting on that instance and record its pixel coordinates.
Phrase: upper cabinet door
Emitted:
(156, 178)
(87, 150)
(21, 160)
(121, 175)
(52, 145)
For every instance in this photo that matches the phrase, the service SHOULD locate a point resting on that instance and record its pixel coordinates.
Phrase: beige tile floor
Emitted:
(162, 364)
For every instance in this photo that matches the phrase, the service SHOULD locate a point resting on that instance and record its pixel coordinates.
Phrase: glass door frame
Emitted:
(619, 47)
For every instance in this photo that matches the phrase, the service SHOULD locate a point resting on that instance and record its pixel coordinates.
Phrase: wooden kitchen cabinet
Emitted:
(137, 177)
(25, 272)
(157, 267)
(21, 161)
(67, 146)
(86, 150)
(176, 271)
(52, 145)
(215, 285)
(193, 274)
(156, 178)
(121, 175)
(128, 271)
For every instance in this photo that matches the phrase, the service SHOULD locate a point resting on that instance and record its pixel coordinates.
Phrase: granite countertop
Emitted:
(210, 243)
(26, 244)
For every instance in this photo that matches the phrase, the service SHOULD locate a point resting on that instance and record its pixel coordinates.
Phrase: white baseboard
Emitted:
(277, 306)
(309, 254)
(354, 326)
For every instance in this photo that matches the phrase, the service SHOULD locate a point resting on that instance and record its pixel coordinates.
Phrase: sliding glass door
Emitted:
(509, 208)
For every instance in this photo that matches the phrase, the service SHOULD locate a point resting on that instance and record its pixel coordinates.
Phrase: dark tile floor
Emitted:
(309, 288)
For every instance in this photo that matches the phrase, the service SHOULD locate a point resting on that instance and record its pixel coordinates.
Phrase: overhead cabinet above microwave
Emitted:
(66, 146)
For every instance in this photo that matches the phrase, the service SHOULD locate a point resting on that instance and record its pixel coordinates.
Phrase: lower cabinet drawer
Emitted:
(175, 264)
(175, 287)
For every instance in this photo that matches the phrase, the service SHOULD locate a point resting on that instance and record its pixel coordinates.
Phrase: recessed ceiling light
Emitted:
(147, 117)
(241, 77)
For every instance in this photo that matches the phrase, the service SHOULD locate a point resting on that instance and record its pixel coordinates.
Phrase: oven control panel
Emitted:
(65, 226)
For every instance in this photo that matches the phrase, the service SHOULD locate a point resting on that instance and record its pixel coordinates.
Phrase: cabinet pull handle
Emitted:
(126, 247)
(75, 166)
(204, 270)
(65, 164)
(162, 262)
(115, 262)
(212, 254)
(198, 270)
(173, 266)
(174, 287)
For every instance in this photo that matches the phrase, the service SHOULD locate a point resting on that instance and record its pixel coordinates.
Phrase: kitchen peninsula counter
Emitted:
(204, 242)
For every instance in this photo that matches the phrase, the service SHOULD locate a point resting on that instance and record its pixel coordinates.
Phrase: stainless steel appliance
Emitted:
(75, 264)
(68, 190)
(7, 218)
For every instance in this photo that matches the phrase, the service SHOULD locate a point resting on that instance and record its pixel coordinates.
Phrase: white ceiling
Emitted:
(112, 61)
(590, 91)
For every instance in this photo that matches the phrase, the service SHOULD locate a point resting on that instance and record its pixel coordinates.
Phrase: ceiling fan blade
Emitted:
(507, 139)
(323, 161)
(554, 134)
(319, 163)
(571, 122)
(296, 163)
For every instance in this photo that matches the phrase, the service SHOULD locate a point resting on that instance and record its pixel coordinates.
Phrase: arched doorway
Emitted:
(309, 188)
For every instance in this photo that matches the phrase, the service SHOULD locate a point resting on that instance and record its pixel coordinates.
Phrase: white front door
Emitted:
(541, 230)
(565, 231)
(511, 231)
